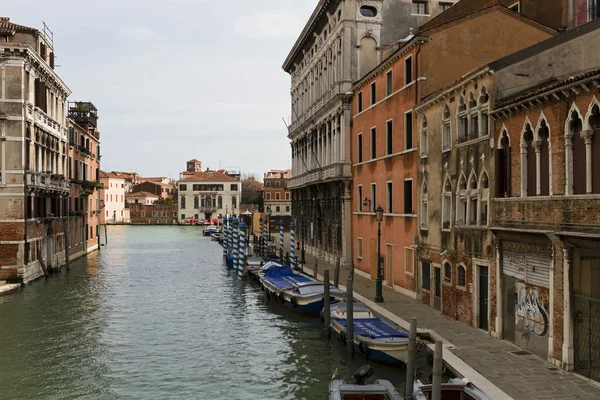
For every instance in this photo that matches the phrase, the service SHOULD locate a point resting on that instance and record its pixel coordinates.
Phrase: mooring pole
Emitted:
(281, 239)
(105, 235)
(336, 274)
(260, 238)
(234, 244)
(350, 318)
(225, 244)
(242, 250)
(411, 359)
(326, 300)
(437, 371)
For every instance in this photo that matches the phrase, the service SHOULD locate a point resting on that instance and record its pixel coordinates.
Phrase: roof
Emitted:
(194, 160)
(156, 179)
(141, 194)
(112, 175)
(8, 28)
(276, 174)
(125, 175)
(209, 176)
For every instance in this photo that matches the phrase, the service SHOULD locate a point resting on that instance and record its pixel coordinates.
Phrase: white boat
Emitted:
(360, 389)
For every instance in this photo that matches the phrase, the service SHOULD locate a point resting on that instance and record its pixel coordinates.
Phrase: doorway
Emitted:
(389, 265)
(483, 297)
(437, 298)
(509, 297)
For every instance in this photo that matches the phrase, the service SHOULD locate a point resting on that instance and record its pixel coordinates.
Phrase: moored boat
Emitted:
(359, 388)
(297, 292)
(456, 388)
(374, 338)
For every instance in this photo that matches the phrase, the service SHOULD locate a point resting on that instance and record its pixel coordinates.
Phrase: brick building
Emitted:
(546, 214)
(33, 153)
(276, 195)
(83, 165)
(155, 214)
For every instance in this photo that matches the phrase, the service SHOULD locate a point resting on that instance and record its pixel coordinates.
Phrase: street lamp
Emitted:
(378, 289)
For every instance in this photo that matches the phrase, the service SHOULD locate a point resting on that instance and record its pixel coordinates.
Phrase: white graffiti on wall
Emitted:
(533, 310)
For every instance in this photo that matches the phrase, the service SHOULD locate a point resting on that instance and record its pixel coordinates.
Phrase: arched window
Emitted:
(423, 135)
(528, 163)
(461, 201)
(268, 196)
(594, 122)
(447, 272)
(503, 155)
(579, 156)
(461, 276)
(446, 131)
(233, 202)
(220, 202)
(483, 104)
(461, 121)
(277, 196)
(196, 202)
(424, 206)
(473, 200)
(446, 204)
(484, 199)
(473, 117)
(544, 151)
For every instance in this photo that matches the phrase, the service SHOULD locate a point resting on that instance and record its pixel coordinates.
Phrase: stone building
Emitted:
(83, 171)
(546, 212)
(339, 44)
(396, 167)
(276, 195)
(207, 195)
(33, 153)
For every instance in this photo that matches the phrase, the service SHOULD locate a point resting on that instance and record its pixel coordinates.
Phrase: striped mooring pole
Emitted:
(242, 250)
(281, 237)
(234, 244)
(292, 244)
(261, 235)
(229, 235)
(225, 238)
(266, 237)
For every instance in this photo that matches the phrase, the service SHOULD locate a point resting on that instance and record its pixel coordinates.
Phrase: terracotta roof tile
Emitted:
(462, 9)
(8, 28)
(141, 194)
(209, 176)
(105, 174)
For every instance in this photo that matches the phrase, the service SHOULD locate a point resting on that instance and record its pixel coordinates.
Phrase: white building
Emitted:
(113, 196)
(146, 198)
(208, 194)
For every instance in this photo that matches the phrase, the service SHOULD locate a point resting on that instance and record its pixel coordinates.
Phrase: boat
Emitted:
(374, 338)
(255, 263)
(454, 389)
(297, 292)
(209, 230)
(359, 389)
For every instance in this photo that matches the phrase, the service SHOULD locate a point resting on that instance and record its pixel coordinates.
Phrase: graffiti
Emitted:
(532, 309)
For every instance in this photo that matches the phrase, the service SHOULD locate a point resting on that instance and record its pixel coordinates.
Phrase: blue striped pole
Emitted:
(242, 250)
(260, 238)
(225, 238)
(281, 237)
(292, 244)
(229, 235)
(235, 243)
(265, 237)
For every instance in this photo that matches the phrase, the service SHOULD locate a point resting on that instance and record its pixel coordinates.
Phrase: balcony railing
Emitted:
(327, 173)
(42, 181)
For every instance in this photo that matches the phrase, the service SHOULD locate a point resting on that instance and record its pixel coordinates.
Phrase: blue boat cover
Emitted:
(374, 328)
(282, 276)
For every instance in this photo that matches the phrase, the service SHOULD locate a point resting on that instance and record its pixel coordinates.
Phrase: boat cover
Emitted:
(282, 276)
(374, 328)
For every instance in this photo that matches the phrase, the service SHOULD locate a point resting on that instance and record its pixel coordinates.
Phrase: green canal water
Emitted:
(156, 315)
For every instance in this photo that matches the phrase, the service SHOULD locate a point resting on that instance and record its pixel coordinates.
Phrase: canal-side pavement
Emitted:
(488, 362)
(7, 288)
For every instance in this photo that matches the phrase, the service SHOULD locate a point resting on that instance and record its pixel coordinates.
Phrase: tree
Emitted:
(164, 202)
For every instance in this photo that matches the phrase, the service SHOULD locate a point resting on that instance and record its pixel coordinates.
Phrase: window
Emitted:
(373, 143)
(359, 248)
(234, 202)
(287, 208)
(408, 131)
(268, 183)
(277, 209)
(360, 102)
(389, 129)
(196, 202)
(446, 204)
(594, 123)
(143, 214)
(389, 198)
(484, 186)
(277, 184)
(388, 83)
(368, 11)
(419, 7)
(183, 188)
(220, 202)
(528, 164)
(408, 208)
(445, 6)
(182, 216)
(268, 196)
(423, 135)
(287, 195)
(182, 201)
(544, 154)
(447, 272)
(373, 196)
(373, 93)
(360, 198)
(233, 187)
(578, 175)
(424, 205)
(446, 132)
(360, 146)
(426, 275)
(408, 74)
(461, 121)
(503, 155)
(461, 276)
(472, 205)
(277, 196)
(461, 201)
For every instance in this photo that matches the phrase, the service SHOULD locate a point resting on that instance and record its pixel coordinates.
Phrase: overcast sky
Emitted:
(177, 79)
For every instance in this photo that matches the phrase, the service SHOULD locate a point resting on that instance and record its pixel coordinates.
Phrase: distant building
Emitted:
(276, 195)
(113, 195)
(156, 214)
(159, 188)
(141, 198)
(131, 179)
(208, 194)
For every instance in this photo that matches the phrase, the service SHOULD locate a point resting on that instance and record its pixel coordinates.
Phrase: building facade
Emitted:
(33, 151)
(155, 214)
(113, 195)
(206, 195)
(340, 43)
(146, 198)
(277, 197)
(83, 171)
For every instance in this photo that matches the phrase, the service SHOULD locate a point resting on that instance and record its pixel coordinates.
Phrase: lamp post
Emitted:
(378, 289)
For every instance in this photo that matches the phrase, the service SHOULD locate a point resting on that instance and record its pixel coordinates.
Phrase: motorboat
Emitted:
(295, 291)
(374, 338)
(255, 263)
(210, 229)
(359, 389)
(454, 389)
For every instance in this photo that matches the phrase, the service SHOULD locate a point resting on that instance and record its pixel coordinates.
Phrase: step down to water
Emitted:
(520, 353)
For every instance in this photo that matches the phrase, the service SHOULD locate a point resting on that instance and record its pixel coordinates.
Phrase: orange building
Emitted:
(276, 195)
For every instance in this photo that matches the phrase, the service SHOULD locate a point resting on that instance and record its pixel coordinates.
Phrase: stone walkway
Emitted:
(488, 362)
(8, 288)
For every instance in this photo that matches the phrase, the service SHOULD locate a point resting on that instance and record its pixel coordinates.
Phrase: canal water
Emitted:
(156, 315)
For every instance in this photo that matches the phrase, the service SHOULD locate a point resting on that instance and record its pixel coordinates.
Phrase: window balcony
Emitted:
(47, 182)
(339, 171)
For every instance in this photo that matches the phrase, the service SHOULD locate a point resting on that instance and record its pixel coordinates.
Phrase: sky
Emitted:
(175, 80)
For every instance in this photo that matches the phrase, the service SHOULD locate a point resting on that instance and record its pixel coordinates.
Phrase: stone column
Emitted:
(587, 136)
(499, 290)
(538, 166)
(567, 347)
(569, 163)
